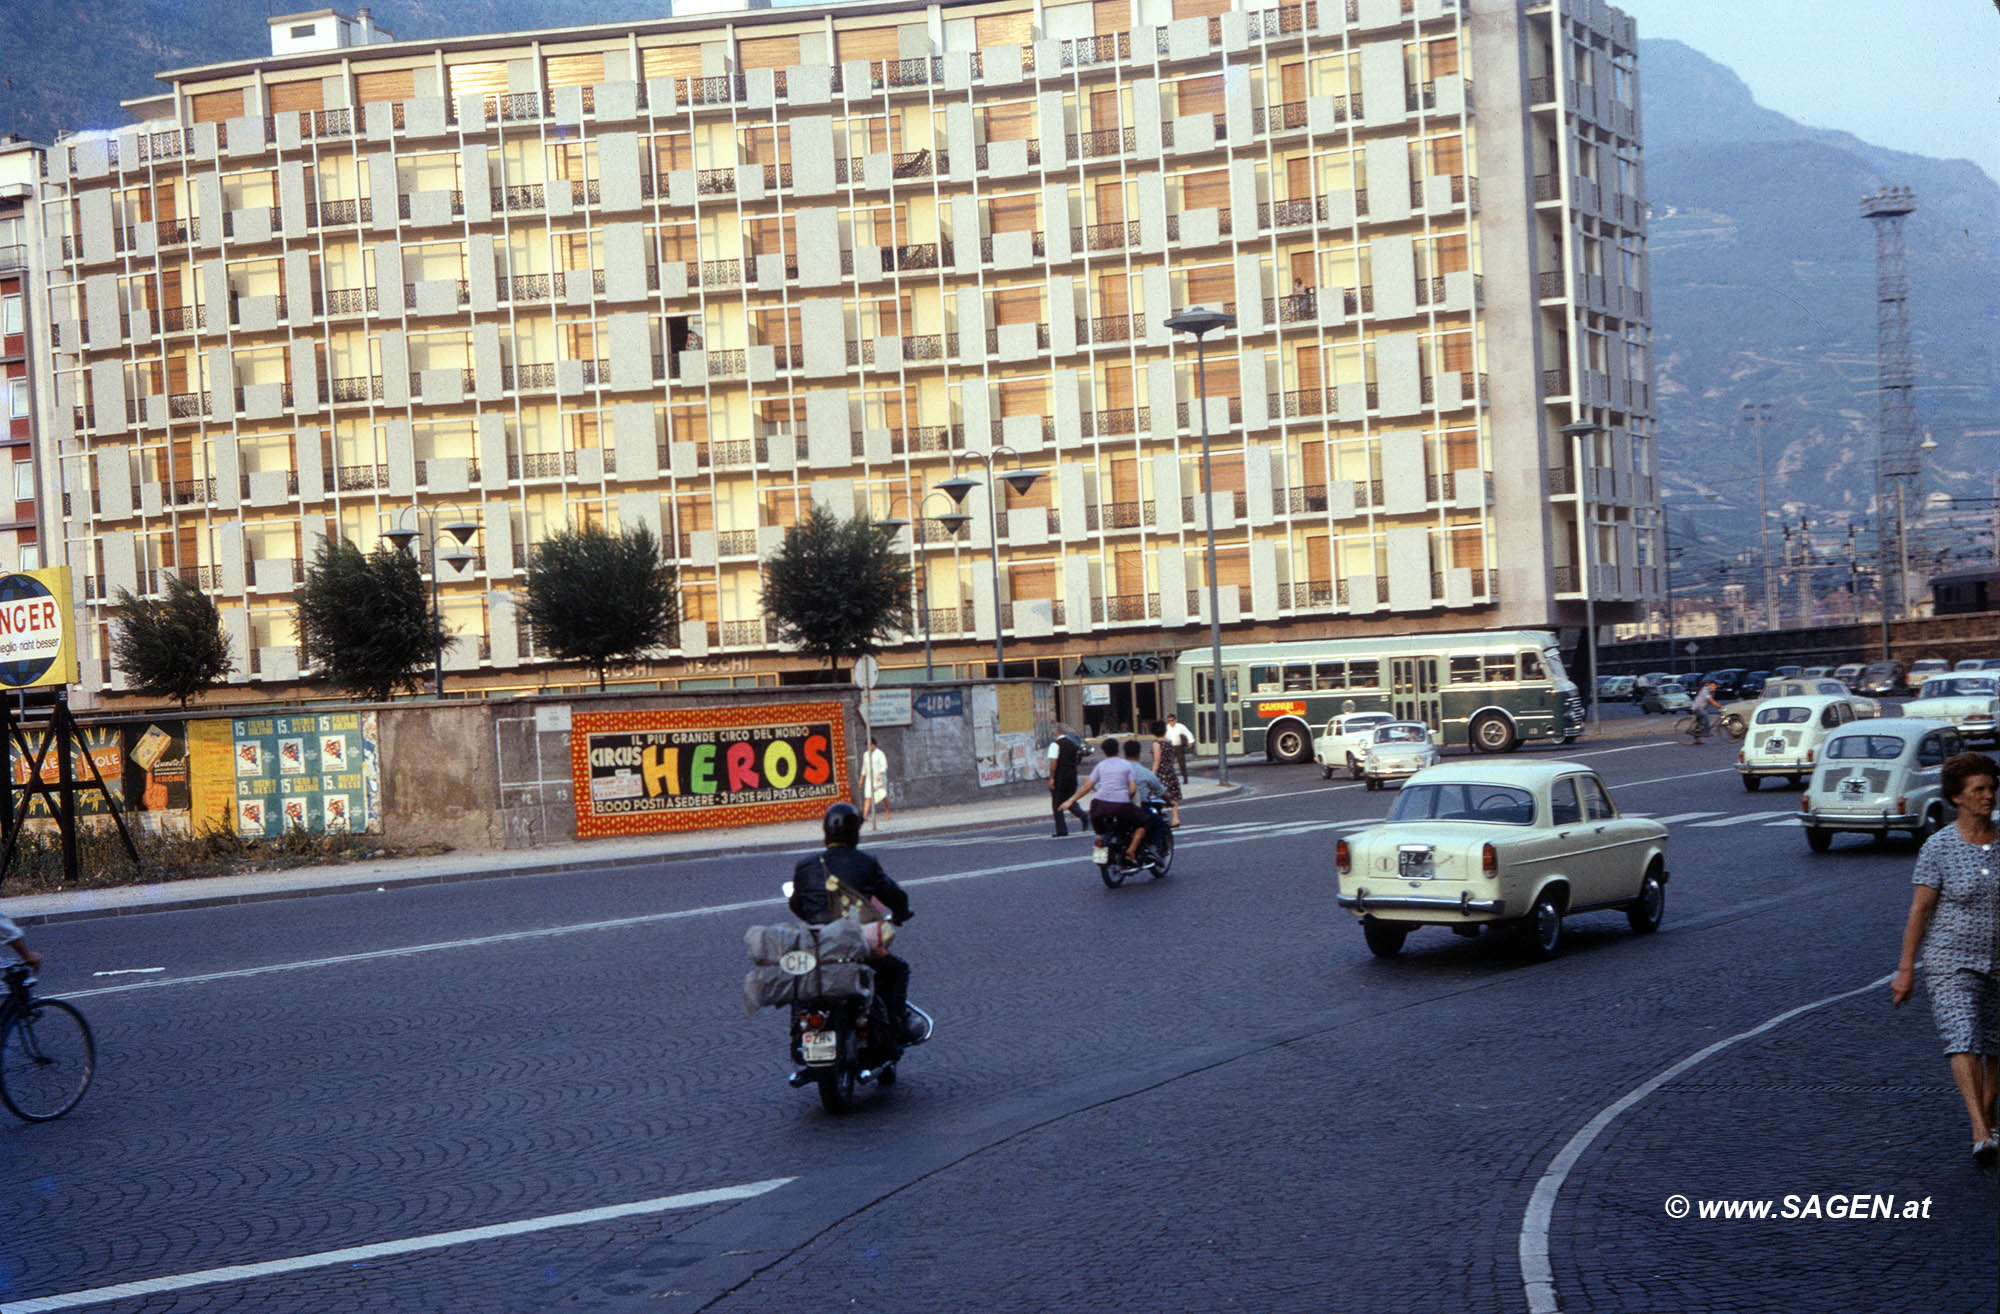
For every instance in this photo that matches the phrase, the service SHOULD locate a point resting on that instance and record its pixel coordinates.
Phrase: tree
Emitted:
(366, 621)
(836, 589)
(592, 597)
(170, 647)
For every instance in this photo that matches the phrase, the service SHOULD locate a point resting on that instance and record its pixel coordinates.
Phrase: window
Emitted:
(24, 481)
(1531, 665)
(1263, 679)
(31, 556)
(10, 315)
(1298, 677)
(1784, 716)
(1564, 810)
(1330, 675)
(300, 31)
(1501, 804)
(1879, 748)
(1364, 674)
(1596, 803)
(1931, 751)
(17, 398)
(1467, 670)
(1499, 668)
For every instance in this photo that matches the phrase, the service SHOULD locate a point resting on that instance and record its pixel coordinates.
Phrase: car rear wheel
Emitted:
(1325, 772)
(1545, 927)
(1493, 733)
(1819, 841)
(1645, 912)
(1385, 939)
(1932, 823)
(1751, 784)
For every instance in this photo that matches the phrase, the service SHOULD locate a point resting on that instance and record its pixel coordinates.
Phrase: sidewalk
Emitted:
(579, 855)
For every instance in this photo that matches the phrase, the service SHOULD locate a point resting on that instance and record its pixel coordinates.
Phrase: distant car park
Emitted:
(1883, 677)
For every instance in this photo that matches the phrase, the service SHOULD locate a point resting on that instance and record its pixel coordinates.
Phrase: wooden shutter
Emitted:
(1111, 203)
(870, 43)
(216, 106)
(1211, 285)
(1440, 58)
(1012, 120)
(1468, 548)
(476, 80)
(392, 85)
(1298, 177)
(1124, 479)
(1302, 271)
(1114, 294)
(1110, 16)
(1308, 369)
(1461, 449)
(575, 70)
(1205, 191)
(1015, 29)
(1200, 95)
(1117, 387)
(1232, 568)
(1024, 397)
(1032, 583)
(1227, 470)
(1455, 353)
(671, 61)
(1451, 254)
(1200, 8)
(1319, 559)
(1222, 378)
(1312, 464)
(1017, 305)
(1447, 156)
(1131, 569)
(1014, 214)
(768, 52)
(1292, 81)
(288, 97)
(1104, 111)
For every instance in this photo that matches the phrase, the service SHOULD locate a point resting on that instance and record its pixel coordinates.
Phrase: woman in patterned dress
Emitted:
(1164, 764)
(1954, 920)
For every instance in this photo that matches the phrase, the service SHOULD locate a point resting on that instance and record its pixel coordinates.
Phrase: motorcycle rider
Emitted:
(1111, 780)
(813, 901)
(1148, 790)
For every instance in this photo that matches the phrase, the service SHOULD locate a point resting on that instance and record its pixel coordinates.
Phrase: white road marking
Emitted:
(1741, 818)
(1537, 1275)
(1679, 817)
(377, 1250)
(129, 971)
(1685, 775)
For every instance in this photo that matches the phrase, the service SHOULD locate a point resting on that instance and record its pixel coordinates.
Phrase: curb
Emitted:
(363, 884)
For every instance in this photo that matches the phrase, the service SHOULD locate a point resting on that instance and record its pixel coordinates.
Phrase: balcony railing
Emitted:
(1280, 118)
(360, 478)
(1116, 422)
(1106, 237)
(1286, 214)
(1104, 141)
(1095, 50)
(1184, 413)
(361, 388)
(1105, 328)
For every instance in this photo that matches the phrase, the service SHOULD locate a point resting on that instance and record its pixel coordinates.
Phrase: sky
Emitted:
(1912, 75)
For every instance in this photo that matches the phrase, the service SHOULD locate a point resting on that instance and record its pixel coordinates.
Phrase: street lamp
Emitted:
(954, 523)
(1201, 321)
(1757, 415)
(956, 488)
(461, 530)
(1575, 434)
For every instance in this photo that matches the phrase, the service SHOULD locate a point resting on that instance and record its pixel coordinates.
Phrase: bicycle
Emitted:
(1692, 729)
(47, 1057)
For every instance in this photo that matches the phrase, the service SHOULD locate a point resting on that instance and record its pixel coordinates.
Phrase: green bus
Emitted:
(1490, 691)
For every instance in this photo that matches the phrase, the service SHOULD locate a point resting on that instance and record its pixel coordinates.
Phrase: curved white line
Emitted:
(1537, 1277)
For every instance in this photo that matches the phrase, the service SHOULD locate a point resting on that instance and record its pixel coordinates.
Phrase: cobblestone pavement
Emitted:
(1199, 1093)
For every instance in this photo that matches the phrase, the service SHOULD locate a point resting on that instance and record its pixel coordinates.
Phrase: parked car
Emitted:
(1736, 715)
(1645, 683)
(1849, 673)
(1786, 736)
(1969, 664)
(1728, 682)
(1525, 843)
(1816, 673)
(1397, 751)
(1752, 684)
(1923, 669)
(1786, 672)
(1970, 702)
(1990, 664)
(1879, 776)
(1344, 739)
(1665, 698)
(1612, 687)
(1883, 677)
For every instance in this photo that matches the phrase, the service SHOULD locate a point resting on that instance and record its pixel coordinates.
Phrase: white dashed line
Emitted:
(360, 1254)
(1741, 819)
(1680, 817)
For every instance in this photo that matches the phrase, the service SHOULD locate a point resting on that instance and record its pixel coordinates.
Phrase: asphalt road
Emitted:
(1200, 1093)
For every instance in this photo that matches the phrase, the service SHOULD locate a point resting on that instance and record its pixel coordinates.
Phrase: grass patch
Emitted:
(37, 866)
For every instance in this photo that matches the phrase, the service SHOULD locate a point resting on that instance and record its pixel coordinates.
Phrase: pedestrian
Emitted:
(1954, 920)
(1064, 752)
(874, 789)
(1163, 767)
(1182, 738)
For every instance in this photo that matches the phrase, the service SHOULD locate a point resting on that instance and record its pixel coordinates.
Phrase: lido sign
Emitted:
(36, 646)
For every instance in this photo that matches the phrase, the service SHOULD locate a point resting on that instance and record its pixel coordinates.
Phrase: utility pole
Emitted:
(1757, 415)
(1896, 460)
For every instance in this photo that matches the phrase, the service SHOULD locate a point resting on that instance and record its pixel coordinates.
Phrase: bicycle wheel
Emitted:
(46, 1061)
(1688, 730)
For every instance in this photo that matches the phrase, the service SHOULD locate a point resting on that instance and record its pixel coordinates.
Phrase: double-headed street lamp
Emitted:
(956, 488)
(954, 523)
(1576, 433)
(1201, 321)
(462, 529)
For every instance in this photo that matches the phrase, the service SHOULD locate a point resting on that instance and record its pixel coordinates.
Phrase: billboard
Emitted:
(36, 645)
(645, 772)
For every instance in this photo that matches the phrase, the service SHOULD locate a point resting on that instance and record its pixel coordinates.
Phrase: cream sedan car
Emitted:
(1524, 843)
(1345, 739)
(1970, 702)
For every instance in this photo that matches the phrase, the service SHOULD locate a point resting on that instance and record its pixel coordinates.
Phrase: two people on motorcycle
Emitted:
(826, 886)
(1120, 785)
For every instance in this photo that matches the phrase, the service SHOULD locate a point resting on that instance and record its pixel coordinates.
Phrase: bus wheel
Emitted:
(1290, 745)
(1493, 733)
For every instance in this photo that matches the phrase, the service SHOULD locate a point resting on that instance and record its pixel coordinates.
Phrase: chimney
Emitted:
(367, 21)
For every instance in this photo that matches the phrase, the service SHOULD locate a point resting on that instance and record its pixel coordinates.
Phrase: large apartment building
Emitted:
(706, 272)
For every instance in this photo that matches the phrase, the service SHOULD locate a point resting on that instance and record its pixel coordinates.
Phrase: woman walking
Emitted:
(1953, 917)
(1163, 764)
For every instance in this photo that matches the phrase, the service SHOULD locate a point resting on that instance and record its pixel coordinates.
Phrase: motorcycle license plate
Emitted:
(1100, 855)
(818, 1046)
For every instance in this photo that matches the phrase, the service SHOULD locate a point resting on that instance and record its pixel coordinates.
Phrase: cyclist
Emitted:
(1705, 710)
(10, 935)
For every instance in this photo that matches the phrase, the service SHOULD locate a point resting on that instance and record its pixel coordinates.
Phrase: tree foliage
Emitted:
(836, 588)
(366, 619)
(172, 646)
(593, 597)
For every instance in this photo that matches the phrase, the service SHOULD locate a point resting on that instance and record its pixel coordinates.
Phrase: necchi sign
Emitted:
(1141, 663)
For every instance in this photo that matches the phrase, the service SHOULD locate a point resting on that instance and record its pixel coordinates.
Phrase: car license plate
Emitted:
(1413, 864)
(1775, 744)
(1853, 788)
(818, 1046)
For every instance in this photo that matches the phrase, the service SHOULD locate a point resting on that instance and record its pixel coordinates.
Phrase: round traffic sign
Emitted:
(866, 671)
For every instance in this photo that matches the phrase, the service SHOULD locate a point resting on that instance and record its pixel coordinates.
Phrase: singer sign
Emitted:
(36, 646)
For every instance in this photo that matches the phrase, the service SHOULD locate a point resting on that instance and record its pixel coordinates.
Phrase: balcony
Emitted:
(1038, 243)
(1104, 141)
(1095, 50)
(1300, 307)
(1184, 413)
(1290, 115)
(541, 465)
(526, 377)
(523, 287)
(1555, 383)
(520, 196)
(1222, 226)
(993, 337)
(712, 91)
(358, 389)
(1541, 90)
(715, 182)
(1104, 328)
(1131, 606)
(358, 478)
(1105, 237)
(1423, 96)
(1566, 578)
(349, 301)
(1193, 504)
(182, 319)
(1118, 515)
(1306, 499)
(513, 107)
(1289, 214)
(1547, 187)
(979, 153)
(1113, 423)
(927, 438)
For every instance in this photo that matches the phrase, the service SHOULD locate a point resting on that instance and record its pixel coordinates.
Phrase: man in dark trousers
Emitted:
(816, 900)
(1064, 753)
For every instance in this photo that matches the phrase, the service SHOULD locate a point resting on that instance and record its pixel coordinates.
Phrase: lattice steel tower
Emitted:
(1896, 462)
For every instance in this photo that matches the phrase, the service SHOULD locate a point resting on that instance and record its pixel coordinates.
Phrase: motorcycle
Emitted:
(842, 1038)
(1155, 855)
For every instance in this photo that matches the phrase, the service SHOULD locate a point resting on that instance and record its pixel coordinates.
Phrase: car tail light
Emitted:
(1809, 757)
(1342, 859)
(1805, 802)
(1902, 804)
(1489, 859)
(1741, 757)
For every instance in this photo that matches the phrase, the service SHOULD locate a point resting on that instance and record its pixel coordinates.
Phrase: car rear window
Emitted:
(1460, 801)
(1784, 716)
(1882, 748)
(1400, 734)
(1958, 687)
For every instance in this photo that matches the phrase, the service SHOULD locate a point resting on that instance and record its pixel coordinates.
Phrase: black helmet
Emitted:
(841, 824)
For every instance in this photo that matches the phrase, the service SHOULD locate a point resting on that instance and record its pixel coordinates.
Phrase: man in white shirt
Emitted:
(1179, 739)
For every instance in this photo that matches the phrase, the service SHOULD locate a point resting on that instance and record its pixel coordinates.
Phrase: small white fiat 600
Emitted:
(1526, 843)
(1879, 776)
(1785, 737)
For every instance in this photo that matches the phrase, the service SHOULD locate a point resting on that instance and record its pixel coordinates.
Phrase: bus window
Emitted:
(1263, 679)
(1531, 665)
(1331, 675)
(1466, 670)
(1364, 674)
(1499, 668)
(1298, 677)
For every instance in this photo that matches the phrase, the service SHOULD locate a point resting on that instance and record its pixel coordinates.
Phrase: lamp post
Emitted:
(1201, 322)
(1757, 415)
(956, 488)
(954, 523)
(405, 538)
(1575, 433)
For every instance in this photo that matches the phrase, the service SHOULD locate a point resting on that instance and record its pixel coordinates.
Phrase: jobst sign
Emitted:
(36, 647)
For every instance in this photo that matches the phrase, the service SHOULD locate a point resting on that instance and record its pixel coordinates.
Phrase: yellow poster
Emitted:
(37, 646)
(211, 776)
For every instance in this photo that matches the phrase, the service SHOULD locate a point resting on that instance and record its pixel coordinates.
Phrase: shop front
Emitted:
(1117, 693)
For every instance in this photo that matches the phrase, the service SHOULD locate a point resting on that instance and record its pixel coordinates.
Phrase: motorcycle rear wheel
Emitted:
(1163, 854)
(1112, 872)
(836, 1089)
